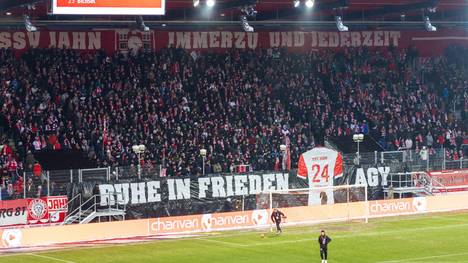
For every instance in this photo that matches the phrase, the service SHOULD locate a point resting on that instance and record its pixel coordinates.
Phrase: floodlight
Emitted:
(210, 3)
(28, 25)
(428, 25)
(339, 24)
(309, 3)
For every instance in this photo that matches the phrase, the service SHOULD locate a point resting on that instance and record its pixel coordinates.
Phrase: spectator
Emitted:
(423, 154)
(429, 140)
(12, 166)
(37, 170)
(408, 143)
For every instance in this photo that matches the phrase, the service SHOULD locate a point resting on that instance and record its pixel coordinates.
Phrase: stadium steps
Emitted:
(401, 192)
(103, 213)
(88, 216)
(78, 217)
(91, 209)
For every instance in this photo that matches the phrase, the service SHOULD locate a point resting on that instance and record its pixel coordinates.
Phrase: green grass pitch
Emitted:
(423, 238)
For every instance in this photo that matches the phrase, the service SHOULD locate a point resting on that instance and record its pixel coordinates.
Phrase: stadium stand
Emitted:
(240, 105)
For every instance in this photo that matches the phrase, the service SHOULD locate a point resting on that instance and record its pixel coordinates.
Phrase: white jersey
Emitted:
(321, 166)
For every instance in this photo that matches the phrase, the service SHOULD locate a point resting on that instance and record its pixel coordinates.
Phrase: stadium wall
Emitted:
(39, 236)
(427, 43)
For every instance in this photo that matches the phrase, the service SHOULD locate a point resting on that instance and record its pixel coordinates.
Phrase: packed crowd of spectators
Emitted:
(409, 101)
(240, 105)
(8, 170)
(11, 174)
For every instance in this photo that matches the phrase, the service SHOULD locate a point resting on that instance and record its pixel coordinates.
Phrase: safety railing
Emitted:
(92, 204)
(65, 206)
(94, 174)
(415, 181)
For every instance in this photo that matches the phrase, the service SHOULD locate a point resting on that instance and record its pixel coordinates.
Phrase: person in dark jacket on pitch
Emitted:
(324, 240)
(276, 217)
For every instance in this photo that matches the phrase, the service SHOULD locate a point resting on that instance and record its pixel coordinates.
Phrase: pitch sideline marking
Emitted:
(52, 258)
(247, 232)
(221, 242)
(422, 258)
(338, 236)
(99, 246)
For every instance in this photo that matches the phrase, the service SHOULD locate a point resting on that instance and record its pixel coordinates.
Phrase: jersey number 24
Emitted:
(323, 174)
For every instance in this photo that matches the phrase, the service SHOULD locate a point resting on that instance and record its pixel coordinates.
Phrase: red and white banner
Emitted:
(427, 43)
(38, 211)
(45, 210)
(13, 212)
(58, 208)
(453, 180)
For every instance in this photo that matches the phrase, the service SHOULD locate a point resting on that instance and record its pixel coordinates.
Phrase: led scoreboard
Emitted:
(108, 7)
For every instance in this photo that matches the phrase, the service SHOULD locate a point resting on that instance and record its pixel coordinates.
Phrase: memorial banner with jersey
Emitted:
(321, 167)
(124, 40)
(179, 196)
(45, 210)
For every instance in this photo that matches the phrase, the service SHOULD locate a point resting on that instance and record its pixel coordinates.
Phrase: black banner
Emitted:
(174, 196)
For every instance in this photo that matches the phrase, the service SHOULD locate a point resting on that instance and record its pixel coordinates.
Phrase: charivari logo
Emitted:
(209, 222)
(260, 217)
(12, 238)
(175, 225)
(206, 222)
(398, 206)
(420, 203)
(217, 221)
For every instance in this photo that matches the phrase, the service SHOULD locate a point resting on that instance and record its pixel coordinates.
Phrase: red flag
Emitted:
(104, 136)
(288, 158)
(277, 164)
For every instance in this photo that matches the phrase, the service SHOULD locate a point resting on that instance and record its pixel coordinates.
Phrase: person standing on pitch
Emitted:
(323, 241)
(276, 217)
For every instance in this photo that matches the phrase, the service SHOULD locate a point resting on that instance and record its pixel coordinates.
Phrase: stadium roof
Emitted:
(375, 13)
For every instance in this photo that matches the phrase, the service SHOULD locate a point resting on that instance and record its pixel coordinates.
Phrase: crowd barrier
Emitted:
(35, 236)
